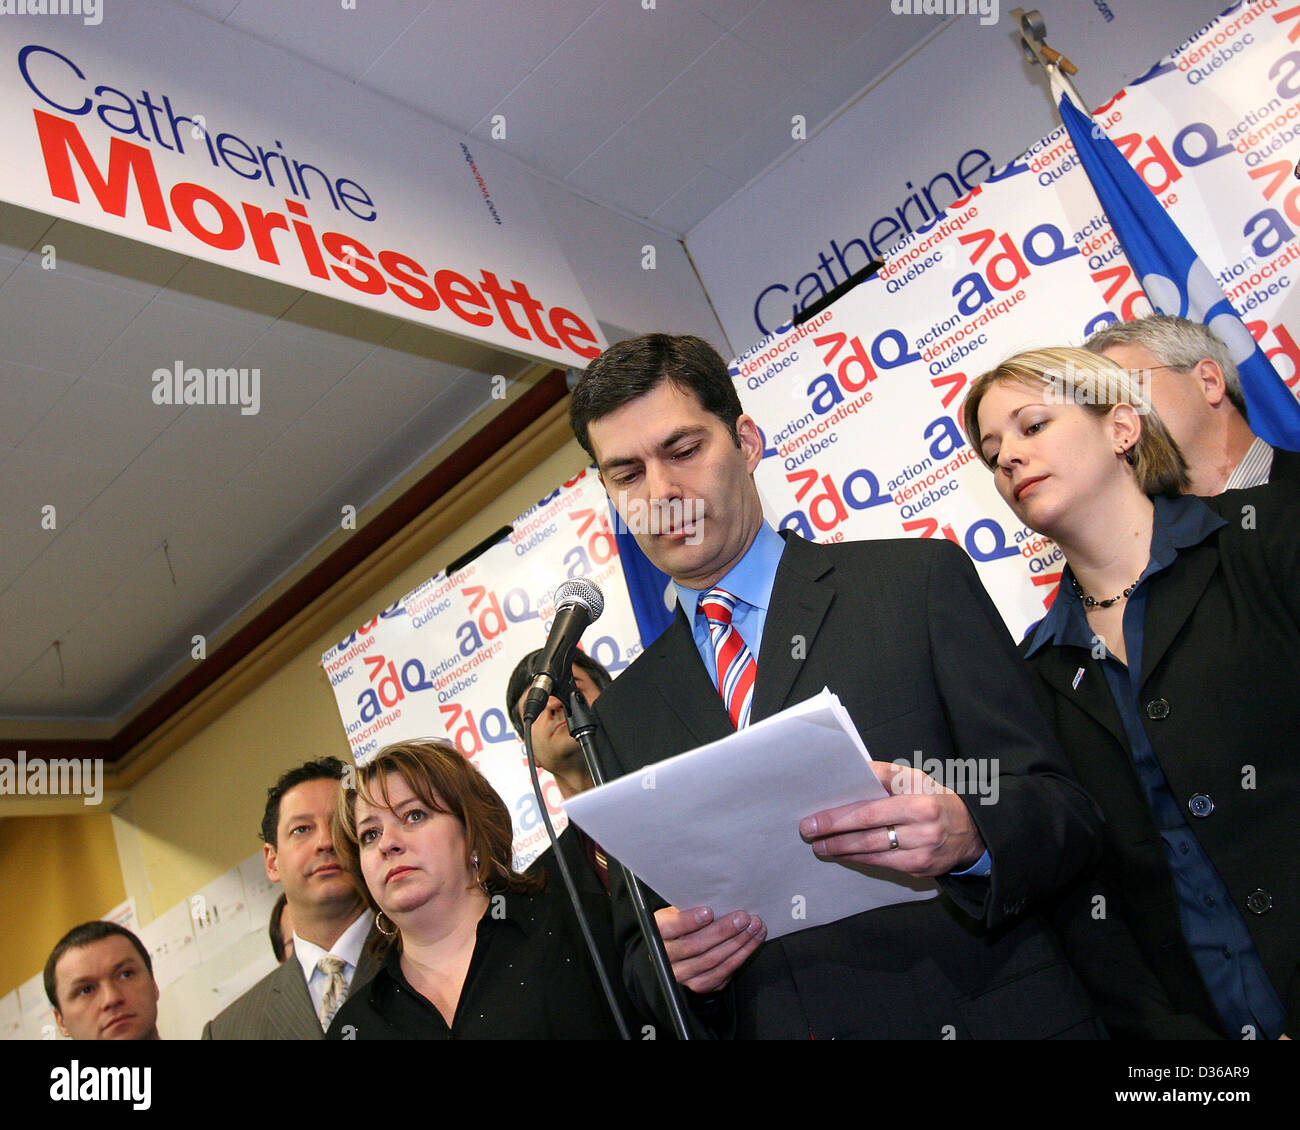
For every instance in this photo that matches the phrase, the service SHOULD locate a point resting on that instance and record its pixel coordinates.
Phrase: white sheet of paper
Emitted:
(718, 826)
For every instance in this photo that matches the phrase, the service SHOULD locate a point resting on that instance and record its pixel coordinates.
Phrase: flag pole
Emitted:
(1033, 32)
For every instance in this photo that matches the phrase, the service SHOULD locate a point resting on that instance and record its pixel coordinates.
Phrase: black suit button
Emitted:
(1200, 805)
(1158, 708)
(1259, 902)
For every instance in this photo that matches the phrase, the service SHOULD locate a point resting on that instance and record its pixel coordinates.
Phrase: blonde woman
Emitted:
(1168, 667)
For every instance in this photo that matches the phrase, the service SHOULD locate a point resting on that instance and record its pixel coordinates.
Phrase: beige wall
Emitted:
(58, 871)
(197, 813)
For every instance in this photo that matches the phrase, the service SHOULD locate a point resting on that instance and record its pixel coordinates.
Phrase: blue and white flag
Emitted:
(646, 585)
(1175, 279)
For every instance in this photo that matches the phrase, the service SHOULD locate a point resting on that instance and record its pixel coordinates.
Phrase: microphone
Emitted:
(577, 604)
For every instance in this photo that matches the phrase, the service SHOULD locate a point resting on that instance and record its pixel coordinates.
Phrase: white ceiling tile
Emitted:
(26, 396)
(30, 684)
(800, 39)
(553, 122)
(713, 101)
(30, 481)
(665, 145)
(147, 502)
(498, 43)
(298, 465)
(130, 637)
(72, 571)
(105, 425)
(858, 63)
(298, 369)
(726, 13)
(401, 386)
(348, 416)
(345, 38)
(216, 9)
(549, 129)
(211, 443)
(634, 168)
(164, 334)
(212, 547)
(65, 321)
(770, 134)
(695, 200)
(35, 614)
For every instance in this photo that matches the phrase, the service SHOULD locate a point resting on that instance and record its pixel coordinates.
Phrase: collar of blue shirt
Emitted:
(1179, 522)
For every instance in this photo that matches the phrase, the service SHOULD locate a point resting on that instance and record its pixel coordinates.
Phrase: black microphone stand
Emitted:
(582, 726)
(569, 886)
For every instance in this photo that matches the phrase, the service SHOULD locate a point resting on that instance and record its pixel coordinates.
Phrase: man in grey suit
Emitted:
(332, 931)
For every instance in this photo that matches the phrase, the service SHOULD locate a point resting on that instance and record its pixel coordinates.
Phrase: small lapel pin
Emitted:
(1078, 678)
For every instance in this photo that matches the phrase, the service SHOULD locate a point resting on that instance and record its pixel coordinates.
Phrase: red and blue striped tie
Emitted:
(736, 667)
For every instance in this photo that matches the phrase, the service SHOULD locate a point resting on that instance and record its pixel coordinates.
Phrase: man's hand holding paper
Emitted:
(922, 828)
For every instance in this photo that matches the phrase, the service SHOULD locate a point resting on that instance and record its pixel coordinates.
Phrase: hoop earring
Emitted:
(379, 926)
(473, 859)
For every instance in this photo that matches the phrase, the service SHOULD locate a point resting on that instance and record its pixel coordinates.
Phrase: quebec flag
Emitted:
(653, 600)
(1174, 278)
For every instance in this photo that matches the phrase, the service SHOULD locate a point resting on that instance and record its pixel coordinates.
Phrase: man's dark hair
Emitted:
(529, 665)
(84, 935)
(277, 913)
(629, 369)
(330, 768)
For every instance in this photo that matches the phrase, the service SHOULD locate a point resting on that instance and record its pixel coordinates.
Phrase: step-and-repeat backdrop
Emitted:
(859, 406)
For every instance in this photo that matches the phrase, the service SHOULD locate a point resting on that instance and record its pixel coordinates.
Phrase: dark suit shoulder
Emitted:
(877, 552)
(1260, 545)
(1286, 470)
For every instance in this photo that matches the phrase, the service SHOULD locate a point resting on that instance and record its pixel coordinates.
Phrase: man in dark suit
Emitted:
(903, 632)
(332, 931)
(1193, 384)
(557, 753)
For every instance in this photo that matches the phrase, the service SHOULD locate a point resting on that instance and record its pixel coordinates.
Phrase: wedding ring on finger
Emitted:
(893, 837)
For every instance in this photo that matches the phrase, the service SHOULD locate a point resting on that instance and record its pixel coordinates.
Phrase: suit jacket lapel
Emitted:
(289, 1010)
(1059, 666)
(801, 596)
(1172, 599)
(677, 670)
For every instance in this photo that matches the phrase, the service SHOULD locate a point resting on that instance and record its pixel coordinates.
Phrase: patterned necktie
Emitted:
(336, 988)
(736, 667)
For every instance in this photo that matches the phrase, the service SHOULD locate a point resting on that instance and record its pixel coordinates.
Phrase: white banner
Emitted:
(436, 663)
(161, 125)
(859, 406)
(925, 135)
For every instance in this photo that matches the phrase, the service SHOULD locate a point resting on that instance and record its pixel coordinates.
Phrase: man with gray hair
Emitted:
(1193, 384)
